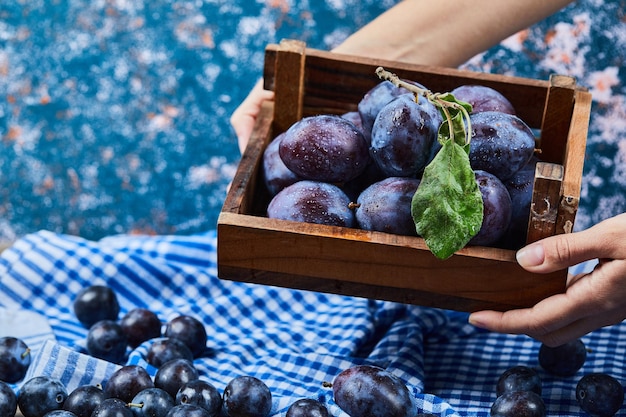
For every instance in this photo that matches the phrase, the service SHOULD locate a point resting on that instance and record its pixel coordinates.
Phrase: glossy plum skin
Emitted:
(370, 391)
(518, 404)
(247, 396)
(201, 393)
(190, 331)
(151, 402)
(564, 360)
(112, 407)
(139, 325)
(483, 98)
(276, 175)
(40, 395)
(600, 394)
(385, 206)
(402, 137)
(187, 410)
(307, 407)
(374, 100)
(14, 359)
(501, 143)
(127, 381)
(172, 375)
(355, 118)
(106, 340)
(496, 209)
(312, 202)
(95, 303)
(165, 349)
(8, 400)
(520, 187)
(325, 148)
(83, 400)
(519, 378)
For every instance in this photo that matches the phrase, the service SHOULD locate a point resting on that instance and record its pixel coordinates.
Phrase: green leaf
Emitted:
(456, 112)
(459, 132)
(447, 207)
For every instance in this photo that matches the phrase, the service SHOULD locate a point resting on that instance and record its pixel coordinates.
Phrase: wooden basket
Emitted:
(256, 249)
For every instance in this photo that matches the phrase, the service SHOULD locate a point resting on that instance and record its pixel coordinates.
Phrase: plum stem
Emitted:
(437, 99)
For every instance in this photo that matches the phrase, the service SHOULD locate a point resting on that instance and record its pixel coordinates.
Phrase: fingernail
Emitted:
(474, 320)
(531, 255)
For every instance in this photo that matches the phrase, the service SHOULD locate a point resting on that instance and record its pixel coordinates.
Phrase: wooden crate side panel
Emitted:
(245, 196)
(336, 82)
(333, 286)
(574, 162)
(557, 115)
(361, 262)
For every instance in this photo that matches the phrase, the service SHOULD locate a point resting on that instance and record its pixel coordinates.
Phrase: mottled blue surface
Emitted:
(114, 113)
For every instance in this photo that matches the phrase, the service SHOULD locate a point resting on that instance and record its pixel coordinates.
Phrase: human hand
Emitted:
(244, 116)
(592, 300)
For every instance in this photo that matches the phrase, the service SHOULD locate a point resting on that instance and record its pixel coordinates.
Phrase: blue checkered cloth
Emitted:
(292, 340)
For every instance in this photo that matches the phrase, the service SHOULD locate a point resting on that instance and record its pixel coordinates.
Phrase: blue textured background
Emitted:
(114, 114)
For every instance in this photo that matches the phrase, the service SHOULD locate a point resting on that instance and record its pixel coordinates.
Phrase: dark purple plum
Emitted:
(95, 303)
(127, 381)
(355, 187)
(8, 400)
(307, 407)
(496, 209)
(112, 407)
(41, 394)
(139, 325)
(600, 394)
(247, 396)
(518, 404)
(151, 402)
(106, 340)
(312, 202)
(483, 98)
(355, 118)
(201, 393)
(83, 400)
(276, 175)
(371, 391)
(501, 143)
(172, 375)
(190, 331)
(165, 349)
(519, 378)
(14, 359)
(520, 187)
(385, 206)
(376, 98)
(187, 410)
(563, 360)
(402, 137)
(325, 148)
(59, 413)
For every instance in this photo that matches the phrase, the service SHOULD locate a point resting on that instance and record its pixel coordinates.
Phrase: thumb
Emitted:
(562, 251)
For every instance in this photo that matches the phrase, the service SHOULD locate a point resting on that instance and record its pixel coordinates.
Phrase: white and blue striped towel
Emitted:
(293, 340)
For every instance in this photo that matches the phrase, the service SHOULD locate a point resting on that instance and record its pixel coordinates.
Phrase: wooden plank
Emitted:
(573, 164)
(557, 116)
(282, 253)
(545, 201)
(289, 86)
(334, 82)
(243, 194)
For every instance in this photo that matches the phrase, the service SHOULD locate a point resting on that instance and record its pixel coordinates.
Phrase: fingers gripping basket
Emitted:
(256, 249)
